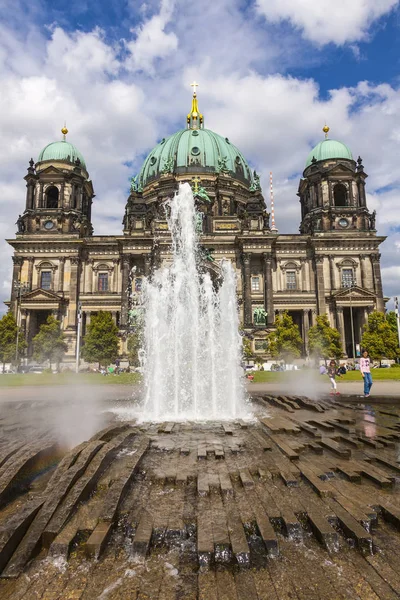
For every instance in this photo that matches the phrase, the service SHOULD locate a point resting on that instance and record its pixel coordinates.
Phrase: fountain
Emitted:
(191, 343)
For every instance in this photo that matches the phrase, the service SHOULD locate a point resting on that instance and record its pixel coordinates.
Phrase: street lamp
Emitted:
(78, 337)
(20, 288)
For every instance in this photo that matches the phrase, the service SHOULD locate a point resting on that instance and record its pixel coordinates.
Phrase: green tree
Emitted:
(285, 340)
(49, 343)
(323, 340)
(134, 345)
(392, 320)
(8, 339)
(379, 338)
(246, 348)
(101, 342)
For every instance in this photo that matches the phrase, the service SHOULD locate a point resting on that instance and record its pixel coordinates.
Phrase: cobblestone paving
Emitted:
(301, 503)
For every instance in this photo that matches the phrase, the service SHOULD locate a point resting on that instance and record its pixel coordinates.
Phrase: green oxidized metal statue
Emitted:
(260, 316)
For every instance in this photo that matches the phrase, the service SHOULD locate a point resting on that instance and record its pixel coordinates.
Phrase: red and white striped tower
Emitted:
(271, 191)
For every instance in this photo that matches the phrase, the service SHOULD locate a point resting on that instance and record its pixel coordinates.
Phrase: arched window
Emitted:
(102, 282)
(340, 195)
(52, 197)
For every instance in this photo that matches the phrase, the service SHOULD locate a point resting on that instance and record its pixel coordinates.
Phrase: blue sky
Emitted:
(271, 72)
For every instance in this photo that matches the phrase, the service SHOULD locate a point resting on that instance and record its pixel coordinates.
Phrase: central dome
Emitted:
(195, 151)
(63, 151)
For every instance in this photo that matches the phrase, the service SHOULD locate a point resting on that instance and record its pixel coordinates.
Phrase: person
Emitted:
(365, 369)
(332, 372)
(322, 370)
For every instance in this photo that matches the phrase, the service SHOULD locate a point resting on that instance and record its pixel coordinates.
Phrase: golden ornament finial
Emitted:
(64, 131)
(195, 118)
(325, 129)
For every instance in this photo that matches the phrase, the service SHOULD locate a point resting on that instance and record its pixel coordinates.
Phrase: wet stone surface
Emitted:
(301, 503)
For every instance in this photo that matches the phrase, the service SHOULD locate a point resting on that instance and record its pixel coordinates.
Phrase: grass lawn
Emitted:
(377, 375)
(67, 379)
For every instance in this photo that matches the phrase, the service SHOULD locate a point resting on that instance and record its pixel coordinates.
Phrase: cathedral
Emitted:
(331, 267)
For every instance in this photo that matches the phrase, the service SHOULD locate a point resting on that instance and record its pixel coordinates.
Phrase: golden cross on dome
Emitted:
(194, 85)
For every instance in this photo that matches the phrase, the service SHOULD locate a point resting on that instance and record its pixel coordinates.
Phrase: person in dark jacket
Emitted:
(332, 372)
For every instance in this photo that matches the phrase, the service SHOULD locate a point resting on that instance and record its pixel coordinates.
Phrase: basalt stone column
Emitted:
(376, 269)
(125, 267)
(319, 262)
(268, 289)
(248, 317)
(16, 277)
(340, 327)
(73, 292)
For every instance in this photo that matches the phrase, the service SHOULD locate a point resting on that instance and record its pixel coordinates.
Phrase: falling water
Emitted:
(192, 346)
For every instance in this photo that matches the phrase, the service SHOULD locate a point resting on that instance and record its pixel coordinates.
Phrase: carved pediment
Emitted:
(354, 293)
(51, 169)
(41, 295)
(340, 169)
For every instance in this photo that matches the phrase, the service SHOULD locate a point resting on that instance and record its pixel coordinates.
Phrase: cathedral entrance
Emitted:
(36, 319)
(357, 329)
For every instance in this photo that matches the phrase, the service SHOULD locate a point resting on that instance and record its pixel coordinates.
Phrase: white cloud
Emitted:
(152, 41)
(324, 21)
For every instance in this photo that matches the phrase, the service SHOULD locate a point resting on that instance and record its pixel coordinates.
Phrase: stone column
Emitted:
(16, 278)
(147, 264)
(313, 317)
(30, 271)
(340, 327)
(61, 274)
(376, 270)
(73, 292)
(114, 288)
(40, 196)
(303, 274)
(125, 267)
(89, 276)
(306, 327)
(248, 316)
(319, 262)
(268, 288)
(332, 272)
(88, 314)
(363, 271)
(61, 202)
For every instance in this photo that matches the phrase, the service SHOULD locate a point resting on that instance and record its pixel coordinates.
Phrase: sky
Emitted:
(271, 73)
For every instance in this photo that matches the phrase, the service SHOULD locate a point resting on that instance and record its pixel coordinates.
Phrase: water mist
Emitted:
(191, 342)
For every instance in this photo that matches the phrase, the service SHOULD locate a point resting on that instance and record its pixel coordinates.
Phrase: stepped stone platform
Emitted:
(300, 503)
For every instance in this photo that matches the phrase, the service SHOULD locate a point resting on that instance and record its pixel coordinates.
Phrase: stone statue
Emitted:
(372, 220)
(135, 184)
(20, 224)
(260, 316)
(225, 207)
(266, 216)
(222, 165)
(199, 222)
(354, 221)
(168, 166)
(256, 182)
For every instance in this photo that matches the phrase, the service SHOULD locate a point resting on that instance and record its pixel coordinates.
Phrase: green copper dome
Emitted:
(328, 149)
(61, 150)
(195, 151)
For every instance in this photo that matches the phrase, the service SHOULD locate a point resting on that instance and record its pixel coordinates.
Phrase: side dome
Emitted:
(329, 149)
(61, 150)
(195, 151)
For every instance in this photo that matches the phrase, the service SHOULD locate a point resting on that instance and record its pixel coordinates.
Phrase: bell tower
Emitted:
(59, 193)
(332, 191)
